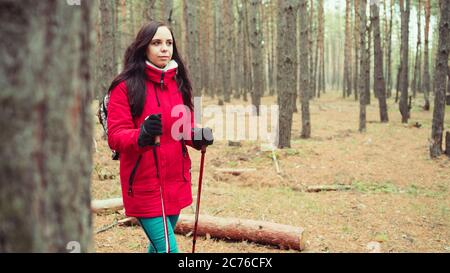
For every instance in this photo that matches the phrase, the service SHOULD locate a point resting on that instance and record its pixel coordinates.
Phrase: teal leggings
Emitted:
(154, 229)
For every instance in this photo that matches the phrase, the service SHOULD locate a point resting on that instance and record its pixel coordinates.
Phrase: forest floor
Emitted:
(398, 196)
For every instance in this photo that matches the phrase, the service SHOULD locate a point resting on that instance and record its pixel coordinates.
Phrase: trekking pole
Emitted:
(200, 178)
(158, 174)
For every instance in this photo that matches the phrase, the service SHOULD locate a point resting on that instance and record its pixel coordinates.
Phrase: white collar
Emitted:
(172, 64)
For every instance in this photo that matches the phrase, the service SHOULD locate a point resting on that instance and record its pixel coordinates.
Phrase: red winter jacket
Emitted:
(144, 197)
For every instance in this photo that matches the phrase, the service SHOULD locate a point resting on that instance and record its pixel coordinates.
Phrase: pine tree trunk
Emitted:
(403, 103)
(362, 72)
(192, 33)
(367, 63)
(426, 71)
(389, 52)
(311, 53)
(287, 63)
(247, 56)
(417, 60)
(321, 48)
(106, 67)
(239, 49)
(148, 10)
(46, 118)
(347, 83)
(227, 14)
(304, 72)
(257, 57)
(378, 78)
(441, 70)
(167, 10)
(357, 42)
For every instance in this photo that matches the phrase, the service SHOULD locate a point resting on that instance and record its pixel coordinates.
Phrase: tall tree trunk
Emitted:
(416, 75)
(426, 71)
(362, 73)
(273, 78)
(257, 56)
(168, 12)
(312, 80)
(227, 13)
(357, 42)
(367, 62)
(148, 10)
(287, 76)
(403, 103)
(304, 72)
(106, 67)
(193, 59)
(45, 114)
(378, 78)
(247, 53)
(239, 49)
(347, 83)
(440, 73)
(321, 48)
(389, 52)
(448, 84)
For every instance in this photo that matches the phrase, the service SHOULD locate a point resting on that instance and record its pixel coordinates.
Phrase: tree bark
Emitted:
(447, 143)
(262, 232)
(304, 72)
(106, 67)
(362, 72)
(441, 70)
(347, 83)
(193, 59)
(148, 10)
(321, 48)
(287, 63)
(378, 78)
(389, 52)
(426, 71)
(257, 56)
(403, 103)
(367, 62)
(227, 13)
(45, 115)
(417, 64)
(357, 42)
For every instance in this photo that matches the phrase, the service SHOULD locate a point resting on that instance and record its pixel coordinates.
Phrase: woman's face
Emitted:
(160, 49)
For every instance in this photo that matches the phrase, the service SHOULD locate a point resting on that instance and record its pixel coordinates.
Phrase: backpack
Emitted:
(102, 115)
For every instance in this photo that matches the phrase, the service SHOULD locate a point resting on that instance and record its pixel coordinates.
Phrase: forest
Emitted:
(358, 155)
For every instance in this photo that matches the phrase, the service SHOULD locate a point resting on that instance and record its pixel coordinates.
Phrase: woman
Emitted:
(154, 161)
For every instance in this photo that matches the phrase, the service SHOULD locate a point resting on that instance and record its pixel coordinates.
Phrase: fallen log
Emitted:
(235, 172)
(320, 188)
(113, 204)
(268, 233)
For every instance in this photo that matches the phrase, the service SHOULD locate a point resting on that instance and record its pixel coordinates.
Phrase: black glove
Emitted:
(150, 128)
(202, 136)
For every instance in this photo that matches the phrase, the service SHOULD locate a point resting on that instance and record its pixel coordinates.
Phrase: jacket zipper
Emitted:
(156, 94)
(133, 172)
(162, 81)
(184, 152)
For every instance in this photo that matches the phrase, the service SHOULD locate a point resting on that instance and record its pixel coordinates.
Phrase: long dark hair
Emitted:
(134, 70)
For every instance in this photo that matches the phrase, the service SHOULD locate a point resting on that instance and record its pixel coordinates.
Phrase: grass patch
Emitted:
(381, 237)
(382, 187)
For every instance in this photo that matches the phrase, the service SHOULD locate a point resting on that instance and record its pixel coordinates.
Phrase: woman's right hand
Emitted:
(150, 129)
